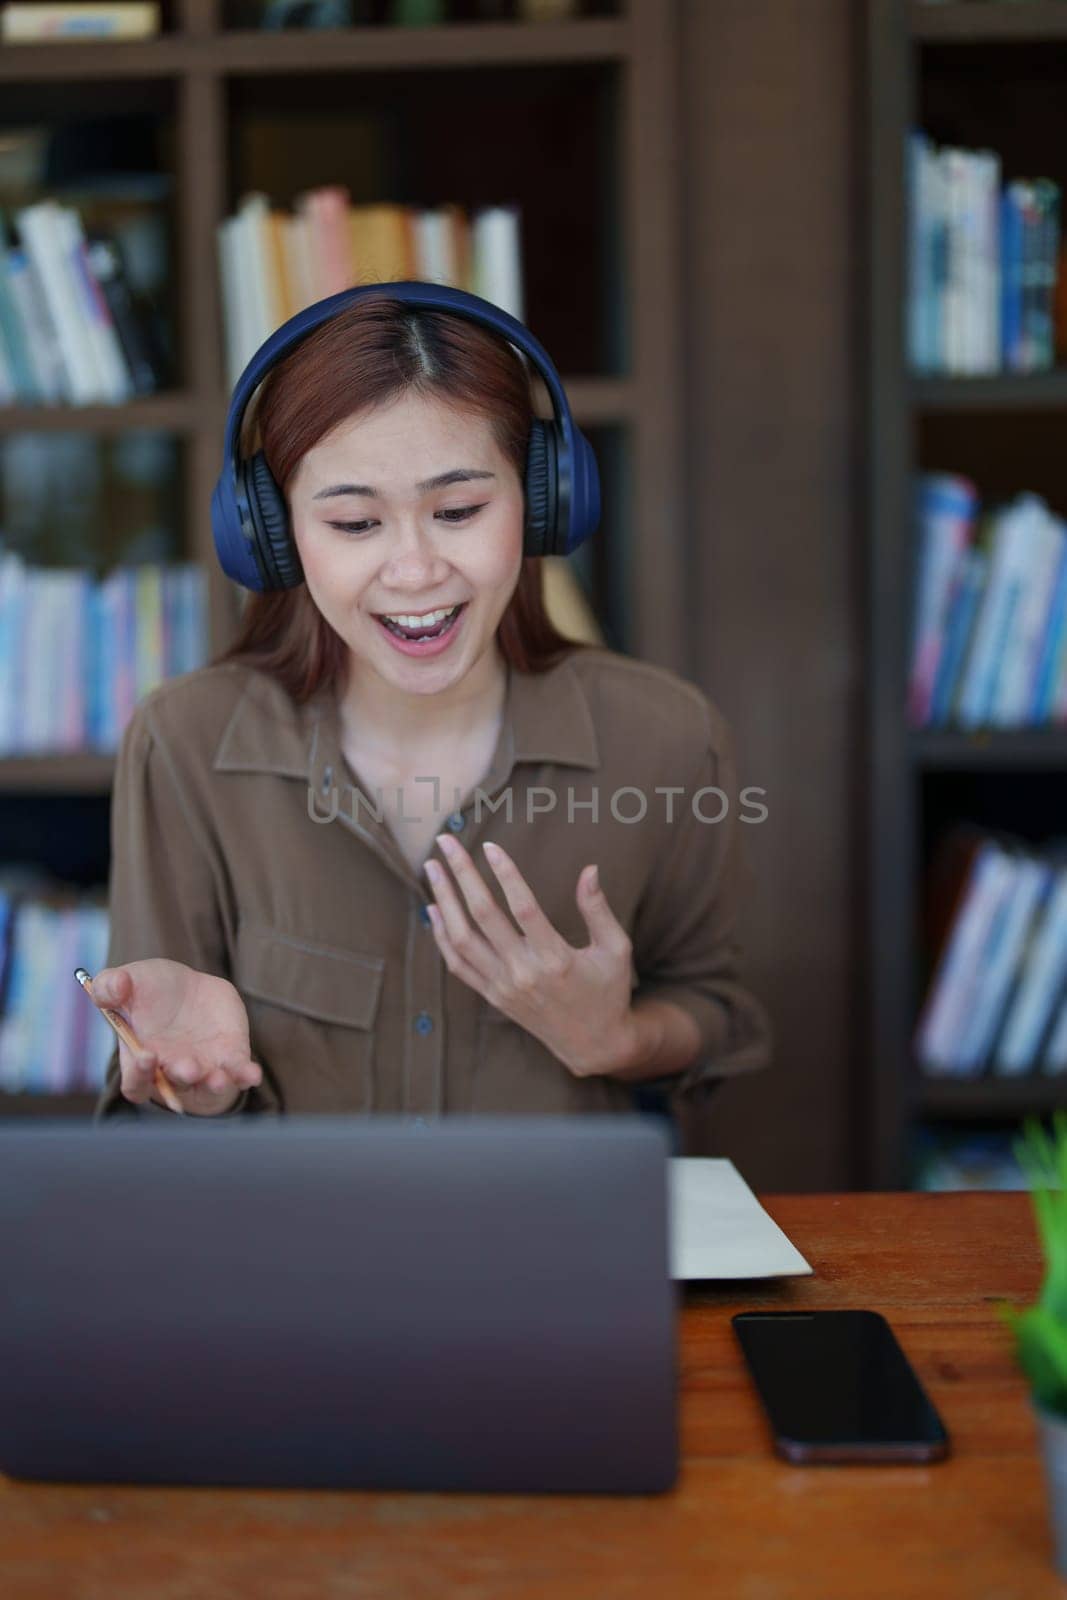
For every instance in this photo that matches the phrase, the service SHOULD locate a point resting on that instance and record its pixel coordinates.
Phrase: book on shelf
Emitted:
(51, 1041)
(989, 625)
(997, 917)
(77, 653)
(982, 263)
(274, 263)
(71, 328)
(39, 21)
(952, 1160)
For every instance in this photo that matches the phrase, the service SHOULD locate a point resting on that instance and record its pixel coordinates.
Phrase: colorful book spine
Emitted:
(77, 654)
(952, 990)
(970, 581)
(945, 511)
(43, 20)
(1000, 960)
(1055, 1059)
(982, 262)
(271, 265)
(1042, 979)
(51, 1041)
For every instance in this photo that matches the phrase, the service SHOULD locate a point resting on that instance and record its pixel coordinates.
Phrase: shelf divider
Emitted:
(1003, 391)
(954, 750)
(173, 411)
(67, 772)
(454, 44)
(968, 23)
(990, 1097)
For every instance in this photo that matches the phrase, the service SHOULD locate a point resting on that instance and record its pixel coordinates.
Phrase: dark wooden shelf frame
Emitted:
(233, 52)
(65, 772)
(989, 1098)
(172, 412)
(457, 44)
(994, 750)
(79, 1105)
(965, 22)
(1005, 391)
(594, 402)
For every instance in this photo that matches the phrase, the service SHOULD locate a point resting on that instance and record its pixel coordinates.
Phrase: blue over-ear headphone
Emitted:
(248, 512)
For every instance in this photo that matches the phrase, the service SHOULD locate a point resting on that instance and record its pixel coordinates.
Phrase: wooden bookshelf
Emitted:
(915, 776)
(199, 70)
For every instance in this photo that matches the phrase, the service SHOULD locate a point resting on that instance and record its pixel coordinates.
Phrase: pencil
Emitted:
(129, 1038)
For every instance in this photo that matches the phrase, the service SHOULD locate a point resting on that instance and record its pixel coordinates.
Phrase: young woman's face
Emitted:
(410, 509)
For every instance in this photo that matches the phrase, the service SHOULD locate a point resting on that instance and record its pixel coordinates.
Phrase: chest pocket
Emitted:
(312, 1010)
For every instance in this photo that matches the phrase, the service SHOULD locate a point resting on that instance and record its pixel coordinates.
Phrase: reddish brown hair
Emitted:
(375, 349)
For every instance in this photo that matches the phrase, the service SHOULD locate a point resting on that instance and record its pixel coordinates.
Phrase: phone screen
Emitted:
(837, 1386)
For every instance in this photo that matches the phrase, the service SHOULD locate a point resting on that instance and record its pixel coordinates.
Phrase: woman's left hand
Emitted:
(577, 1002)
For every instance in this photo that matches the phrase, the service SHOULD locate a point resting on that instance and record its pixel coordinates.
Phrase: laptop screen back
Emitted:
(477, 1303)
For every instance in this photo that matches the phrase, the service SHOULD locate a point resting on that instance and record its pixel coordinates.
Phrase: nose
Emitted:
(414, 560)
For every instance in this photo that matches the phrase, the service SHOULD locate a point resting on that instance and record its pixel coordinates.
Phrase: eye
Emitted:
(460, 513)
(352, 527)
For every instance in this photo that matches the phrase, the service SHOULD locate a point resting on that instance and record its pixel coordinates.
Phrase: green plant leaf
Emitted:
(1041, 1330)
(1041, 1343)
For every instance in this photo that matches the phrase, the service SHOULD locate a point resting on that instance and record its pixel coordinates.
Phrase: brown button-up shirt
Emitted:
(244, 846)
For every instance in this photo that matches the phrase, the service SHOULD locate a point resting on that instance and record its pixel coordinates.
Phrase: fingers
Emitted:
(470, 942)
(136, 1073)
(522, 902)
(184, 1073)
(189, 1072)
(112, 986)
(451, 956)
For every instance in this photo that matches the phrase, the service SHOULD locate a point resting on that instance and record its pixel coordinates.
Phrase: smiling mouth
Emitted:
(422, 633)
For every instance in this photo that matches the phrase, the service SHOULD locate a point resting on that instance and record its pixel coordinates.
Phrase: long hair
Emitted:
(375, 349)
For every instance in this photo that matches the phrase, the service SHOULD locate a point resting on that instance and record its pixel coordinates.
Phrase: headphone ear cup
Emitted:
(584, 516)
(270, 517)
(541, 489)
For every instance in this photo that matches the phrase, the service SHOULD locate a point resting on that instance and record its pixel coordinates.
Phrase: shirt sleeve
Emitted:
(685, 943)
(164, 895)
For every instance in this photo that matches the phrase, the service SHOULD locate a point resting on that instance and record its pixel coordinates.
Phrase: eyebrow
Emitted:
(441, 481)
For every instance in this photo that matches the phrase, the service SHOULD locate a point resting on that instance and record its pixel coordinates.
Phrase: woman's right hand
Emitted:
(189, 1023)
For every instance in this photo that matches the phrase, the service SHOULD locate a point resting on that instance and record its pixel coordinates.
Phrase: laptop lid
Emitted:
(477, 1303)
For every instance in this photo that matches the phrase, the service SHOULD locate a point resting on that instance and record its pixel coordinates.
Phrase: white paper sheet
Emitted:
(718, 1227)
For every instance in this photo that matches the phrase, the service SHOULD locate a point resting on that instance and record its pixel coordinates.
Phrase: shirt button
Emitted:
(457, 821)
(424, 915)
(423, 1022)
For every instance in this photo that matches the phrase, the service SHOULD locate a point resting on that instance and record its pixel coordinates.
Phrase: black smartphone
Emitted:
(836, 1386)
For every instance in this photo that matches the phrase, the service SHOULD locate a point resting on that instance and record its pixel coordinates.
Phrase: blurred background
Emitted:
(799, 263)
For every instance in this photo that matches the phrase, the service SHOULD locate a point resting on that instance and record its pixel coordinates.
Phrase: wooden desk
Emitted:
(740, 1523)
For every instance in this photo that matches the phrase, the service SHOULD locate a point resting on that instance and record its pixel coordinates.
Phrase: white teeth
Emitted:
(429, 620)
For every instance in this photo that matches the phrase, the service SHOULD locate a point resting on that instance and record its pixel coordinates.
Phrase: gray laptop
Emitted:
(472, 1304)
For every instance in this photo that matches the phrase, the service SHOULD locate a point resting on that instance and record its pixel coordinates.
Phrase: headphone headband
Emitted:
(433, 297)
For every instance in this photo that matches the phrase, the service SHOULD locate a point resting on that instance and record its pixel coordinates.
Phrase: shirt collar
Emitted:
(547, 717)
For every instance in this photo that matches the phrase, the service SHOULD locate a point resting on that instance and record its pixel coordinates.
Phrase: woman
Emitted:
(493, 870)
